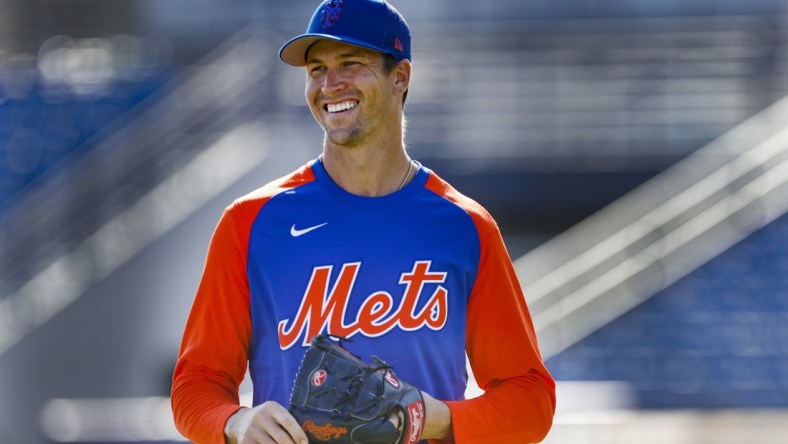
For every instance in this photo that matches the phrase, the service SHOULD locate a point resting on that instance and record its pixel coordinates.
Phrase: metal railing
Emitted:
(660, 232)
(148, 175)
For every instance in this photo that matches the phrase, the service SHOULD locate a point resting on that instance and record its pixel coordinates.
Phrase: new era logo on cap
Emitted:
(397, 44)
(372, 24)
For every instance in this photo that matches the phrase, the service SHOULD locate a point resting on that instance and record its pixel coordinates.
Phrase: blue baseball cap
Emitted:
(373, 24)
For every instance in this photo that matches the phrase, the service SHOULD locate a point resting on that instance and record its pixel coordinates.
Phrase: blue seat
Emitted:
(60, 127)
(718, 338)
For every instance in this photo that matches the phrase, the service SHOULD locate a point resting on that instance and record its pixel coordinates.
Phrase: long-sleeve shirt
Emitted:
(419, 278)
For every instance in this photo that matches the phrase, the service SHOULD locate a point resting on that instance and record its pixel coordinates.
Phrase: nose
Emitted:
(333, 81)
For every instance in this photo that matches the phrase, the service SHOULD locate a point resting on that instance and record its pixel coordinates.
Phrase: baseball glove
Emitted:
(339, 398)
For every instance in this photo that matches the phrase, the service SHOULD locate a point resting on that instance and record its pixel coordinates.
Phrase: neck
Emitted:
(368, 172)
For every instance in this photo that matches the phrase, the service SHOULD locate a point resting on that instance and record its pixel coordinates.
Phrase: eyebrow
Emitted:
(343, 56)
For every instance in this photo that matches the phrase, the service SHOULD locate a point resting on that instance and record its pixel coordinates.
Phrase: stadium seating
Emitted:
(45, 120)
(715, 339)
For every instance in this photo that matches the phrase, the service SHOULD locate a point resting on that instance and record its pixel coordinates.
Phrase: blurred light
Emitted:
(674, 426)
(85, 65)
(113, 420)
(584, 396)
(109, 420)
(89, 66)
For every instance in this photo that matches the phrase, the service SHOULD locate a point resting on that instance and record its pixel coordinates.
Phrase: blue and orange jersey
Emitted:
(418, 278)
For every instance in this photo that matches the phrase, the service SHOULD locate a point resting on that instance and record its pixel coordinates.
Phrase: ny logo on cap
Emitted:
(331, 13)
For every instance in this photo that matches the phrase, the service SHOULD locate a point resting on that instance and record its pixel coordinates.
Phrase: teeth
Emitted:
(335, 108)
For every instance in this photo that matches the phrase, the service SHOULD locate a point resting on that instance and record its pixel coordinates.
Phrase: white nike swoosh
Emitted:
(295, 233)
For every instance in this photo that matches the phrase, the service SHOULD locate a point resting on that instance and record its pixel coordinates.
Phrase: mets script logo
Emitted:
(323, 306)
(323, 432)
(331, 13)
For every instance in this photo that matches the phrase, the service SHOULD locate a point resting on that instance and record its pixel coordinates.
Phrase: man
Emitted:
(365, 243)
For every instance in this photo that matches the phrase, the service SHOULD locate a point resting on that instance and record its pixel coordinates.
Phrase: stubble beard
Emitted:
(348, 137)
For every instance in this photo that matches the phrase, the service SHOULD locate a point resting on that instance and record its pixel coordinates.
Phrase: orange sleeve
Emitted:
(214, 352)
(518, 403)
(215, 349)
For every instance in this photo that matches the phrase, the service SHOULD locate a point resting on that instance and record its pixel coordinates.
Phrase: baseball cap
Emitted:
(373, 24)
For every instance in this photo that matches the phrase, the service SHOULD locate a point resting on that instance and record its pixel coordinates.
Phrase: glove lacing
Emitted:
(354, 386)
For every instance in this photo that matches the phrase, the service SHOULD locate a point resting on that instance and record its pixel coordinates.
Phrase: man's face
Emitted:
(350, 93)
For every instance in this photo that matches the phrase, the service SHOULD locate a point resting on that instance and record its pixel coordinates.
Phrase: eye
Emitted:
(316, 71)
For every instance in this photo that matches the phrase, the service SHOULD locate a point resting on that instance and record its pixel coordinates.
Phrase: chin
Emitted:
(343, 137)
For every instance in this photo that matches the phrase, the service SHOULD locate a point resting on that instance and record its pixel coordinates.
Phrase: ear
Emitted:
(402, 76)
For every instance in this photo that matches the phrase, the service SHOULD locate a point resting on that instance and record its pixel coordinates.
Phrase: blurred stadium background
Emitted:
(634, 152)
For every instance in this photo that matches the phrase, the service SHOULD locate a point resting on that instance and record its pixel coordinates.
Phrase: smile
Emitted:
(342, 106)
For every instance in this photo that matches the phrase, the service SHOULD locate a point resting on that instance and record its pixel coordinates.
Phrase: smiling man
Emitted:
(367, 244)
